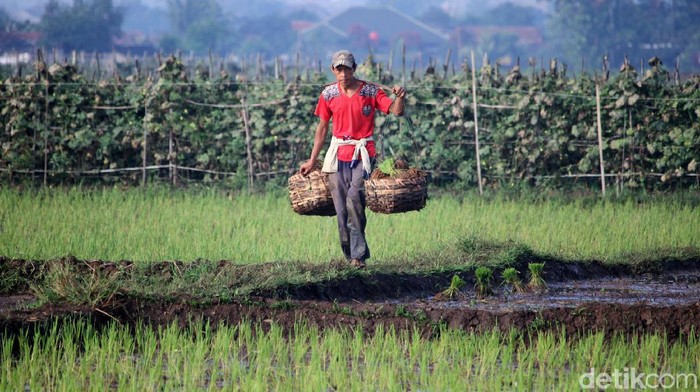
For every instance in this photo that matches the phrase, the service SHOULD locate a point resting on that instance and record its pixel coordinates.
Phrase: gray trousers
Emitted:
(348, 192)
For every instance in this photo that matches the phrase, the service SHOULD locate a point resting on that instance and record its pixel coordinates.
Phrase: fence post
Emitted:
(211, 65)
(403, 64)
(277, 68)
(46, 116)
(98, 74)
(249, 152)
(476, 126)
(171, 158)
(600, 138)
(145, 142)
(446, 66)
(297, 72)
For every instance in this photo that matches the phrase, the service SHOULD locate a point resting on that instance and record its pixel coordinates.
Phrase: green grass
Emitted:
(159, 224)
(76, 356)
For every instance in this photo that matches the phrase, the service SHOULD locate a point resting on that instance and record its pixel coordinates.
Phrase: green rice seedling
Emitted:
(536, 282)
(73, 355)
(484, 275)
(155, 224)
(455, 286)
(510, 277)
(387, 167)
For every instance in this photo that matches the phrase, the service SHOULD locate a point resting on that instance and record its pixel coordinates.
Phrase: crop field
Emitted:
(157, 225)
(162, 289)
(76, 356)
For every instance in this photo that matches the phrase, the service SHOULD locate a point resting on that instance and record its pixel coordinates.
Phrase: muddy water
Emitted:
(654, 290)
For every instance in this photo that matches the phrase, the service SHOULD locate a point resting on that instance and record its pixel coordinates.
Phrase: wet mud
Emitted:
(578, 298)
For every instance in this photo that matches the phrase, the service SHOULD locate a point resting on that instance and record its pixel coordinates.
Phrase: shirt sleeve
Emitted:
(323, 110)
(383, 101)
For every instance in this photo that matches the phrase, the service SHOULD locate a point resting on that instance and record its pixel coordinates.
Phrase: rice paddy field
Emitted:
(332, 350)
(156, 225)
(76, 356)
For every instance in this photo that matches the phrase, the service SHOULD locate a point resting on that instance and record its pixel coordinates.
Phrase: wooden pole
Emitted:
(46, 118)
(600, 139)
(446, 66)
(211, 65)
(249, 152)
(390, 64)
(99, 71)
(403, 64)
(171, 157)
(144, 147)
(476, 126)
(296, 67)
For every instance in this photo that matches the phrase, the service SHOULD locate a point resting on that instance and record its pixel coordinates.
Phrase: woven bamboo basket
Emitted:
(392, 195)
(311, 195)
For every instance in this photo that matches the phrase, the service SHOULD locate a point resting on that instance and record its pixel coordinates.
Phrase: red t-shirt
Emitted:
(353, 117)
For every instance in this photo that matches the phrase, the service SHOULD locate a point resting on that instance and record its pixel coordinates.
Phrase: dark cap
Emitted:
(343, 57)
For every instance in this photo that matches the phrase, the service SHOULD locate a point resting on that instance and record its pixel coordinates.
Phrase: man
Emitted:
(351, 103)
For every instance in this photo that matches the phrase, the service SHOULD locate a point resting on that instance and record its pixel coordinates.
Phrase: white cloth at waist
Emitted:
(330, 163)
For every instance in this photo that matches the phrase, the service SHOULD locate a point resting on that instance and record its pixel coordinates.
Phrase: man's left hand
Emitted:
(399, 91)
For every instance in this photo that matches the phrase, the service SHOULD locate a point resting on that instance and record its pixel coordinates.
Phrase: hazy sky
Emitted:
(454, 5)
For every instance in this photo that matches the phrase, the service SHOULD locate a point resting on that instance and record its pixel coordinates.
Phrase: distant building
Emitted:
(361, 29)
(500, 43)
(18, 41)
(133, 42)
(525, 36)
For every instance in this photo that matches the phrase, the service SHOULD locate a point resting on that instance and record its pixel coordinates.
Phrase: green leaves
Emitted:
(545, 126)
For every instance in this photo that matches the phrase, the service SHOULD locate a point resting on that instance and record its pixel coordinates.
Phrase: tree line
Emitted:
(575, 30)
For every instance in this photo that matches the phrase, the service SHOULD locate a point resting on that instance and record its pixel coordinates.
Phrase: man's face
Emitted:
(344, 75)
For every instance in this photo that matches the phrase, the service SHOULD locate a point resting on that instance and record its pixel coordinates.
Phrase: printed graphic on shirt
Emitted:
(331, 92)
(367, 110)
(369, 90)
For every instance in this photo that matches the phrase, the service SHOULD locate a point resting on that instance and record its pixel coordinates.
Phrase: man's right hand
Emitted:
(306, 167)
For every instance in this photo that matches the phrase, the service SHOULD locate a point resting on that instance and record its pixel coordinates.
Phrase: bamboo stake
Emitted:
(277, 68)
(600, 138)
(249, 153)
(40, 58)
(144, 148)
(403, 63)
(390, 65)
(171, 155)
(296, 67)
(211, 65)
(99, 71)
(18, 66)
(476, 126)
(446, 66)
